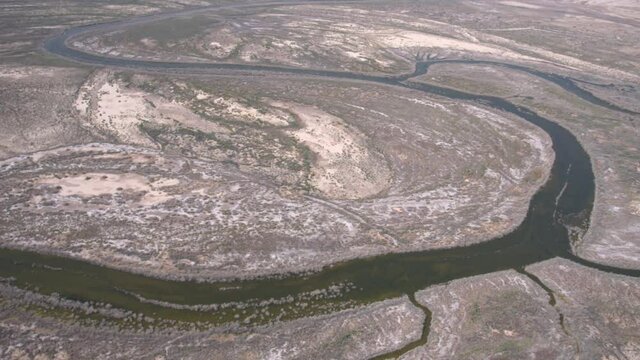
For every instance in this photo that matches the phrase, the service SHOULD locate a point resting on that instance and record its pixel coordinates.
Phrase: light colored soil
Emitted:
(243, 112)
(345, 167)
(434, 43)
(520, 4)
(92, 184)
(118, 112)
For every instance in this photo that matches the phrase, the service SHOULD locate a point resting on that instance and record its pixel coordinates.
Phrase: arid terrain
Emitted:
(262, 185)
(334, 136)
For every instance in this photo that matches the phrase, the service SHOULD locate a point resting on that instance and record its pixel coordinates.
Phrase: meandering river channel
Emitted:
(565, 199)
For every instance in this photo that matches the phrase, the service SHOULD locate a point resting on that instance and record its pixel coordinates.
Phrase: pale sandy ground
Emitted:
(345, 168)
(520, 4)
(117, 112)
(414, 39)
(92, 184)
(243, 112)
(22, 72)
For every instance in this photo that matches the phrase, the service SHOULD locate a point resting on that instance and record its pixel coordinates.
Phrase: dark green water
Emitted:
(541, 236)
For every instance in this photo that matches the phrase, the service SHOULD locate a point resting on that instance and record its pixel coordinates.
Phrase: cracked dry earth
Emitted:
(232, 175)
